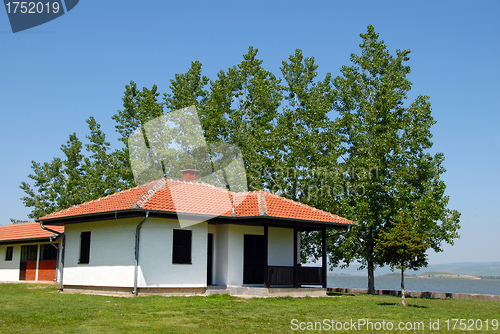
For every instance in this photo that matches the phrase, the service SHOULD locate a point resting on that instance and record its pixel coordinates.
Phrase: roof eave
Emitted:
(61, 221)
(302, 224)
(245, 220)
(22, 241)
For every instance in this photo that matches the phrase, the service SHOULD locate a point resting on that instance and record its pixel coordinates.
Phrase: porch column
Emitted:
(295, 266)
(266, 256)
(324, 256)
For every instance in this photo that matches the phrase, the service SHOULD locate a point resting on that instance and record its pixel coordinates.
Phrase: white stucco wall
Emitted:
(9, 270)
(112, 251)
(112, 246)
(235, 258)
(280, 246)
(155, 256)
(221, 242)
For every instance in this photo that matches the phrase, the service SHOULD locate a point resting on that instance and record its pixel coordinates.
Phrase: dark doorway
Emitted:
(210, 259)
(27, 267)
(253, 259)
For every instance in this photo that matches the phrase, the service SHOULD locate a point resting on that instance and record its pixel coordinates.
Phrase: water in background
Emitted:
(462, 285)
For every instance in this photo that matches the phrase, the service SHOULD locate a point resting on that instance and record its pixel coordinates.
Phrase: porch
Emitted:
(260, 292)
(293, 276)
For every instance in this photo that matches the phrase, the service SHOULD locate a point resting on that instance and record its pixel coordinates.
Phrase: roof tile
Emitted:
(22, 231)
(199, 198)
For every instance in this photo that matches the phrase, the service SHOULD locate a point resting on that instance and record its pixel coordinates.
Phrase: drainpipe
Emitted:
(137, 237)
(53, 237)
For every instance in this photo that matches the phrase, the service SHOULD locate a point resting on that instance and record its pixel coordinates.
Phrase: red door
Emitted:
(27, 267)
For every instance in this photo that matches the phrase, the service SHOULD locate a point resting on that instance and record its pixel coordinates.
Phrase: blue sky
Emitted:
(53, 77)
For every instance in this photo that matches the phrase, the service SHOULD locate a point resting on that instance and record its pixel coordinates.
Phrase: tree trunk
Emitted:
(371, 279)
(403, 301)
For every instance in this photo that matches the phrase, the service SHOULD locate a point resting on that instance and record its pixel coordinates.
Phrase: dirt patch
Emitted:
(37, 287)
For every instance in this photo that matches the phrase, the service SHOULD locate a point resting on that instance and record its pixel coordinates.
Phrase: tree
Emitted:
(303, 137)
(75, 178)
(100, 168)
(241, 110)
(187, 89)
(386, 166)
(369, 164)
(139, 107)
(403, 247)
(18, 221)
(57, 183)
(305, 141)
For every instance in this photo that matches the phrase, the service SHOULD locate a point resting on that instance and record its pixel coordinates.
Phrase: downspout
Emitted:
(60, 253)
(137, 237)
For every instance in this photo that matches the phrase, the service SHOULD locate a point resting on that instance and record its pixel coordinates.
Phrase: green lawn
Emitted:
(33, 308)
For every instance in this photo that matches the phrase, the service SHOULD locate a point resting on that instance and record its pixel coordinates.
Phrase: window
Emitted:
(84, 247)
(29, 253)
(8, 254)
(48, 252)
(181, 252)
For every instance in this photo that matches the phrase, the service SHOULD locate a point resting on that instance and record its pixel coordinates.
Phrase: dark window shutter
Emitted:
(181, 249)
(84, 247)
(8, 255)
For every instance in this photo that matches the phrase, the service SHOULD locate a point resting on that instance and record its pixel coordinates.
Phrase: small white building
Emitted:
(184, 236)
(27, 253)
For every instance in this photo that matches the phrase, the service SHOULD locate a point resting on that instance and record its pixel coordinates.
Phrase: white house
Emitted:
(184, 236)
(27, 253)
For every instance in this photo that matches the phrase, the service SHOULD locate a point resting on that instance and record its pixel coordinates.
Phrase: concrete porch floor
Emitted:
(261, 292)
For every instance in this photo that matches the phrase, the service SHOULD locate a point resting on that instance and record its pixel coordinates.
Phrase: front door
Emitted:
(253, 259)
(27, 267)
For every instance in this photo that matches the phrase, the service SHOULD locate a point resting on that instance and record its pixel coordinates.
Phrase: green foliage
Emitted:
(368, 164)
(101, 168)
(139, 107)
(241, 109)
(18, 221)
(304, 140)
(385, 163)
(187, 89)
(403, 246)
(51, 181)
(75, 179)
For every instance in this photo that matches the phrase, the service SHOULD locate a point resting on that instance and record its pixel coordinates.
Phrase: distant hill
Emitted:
(468, 268)
(459, 268)
(434, 274)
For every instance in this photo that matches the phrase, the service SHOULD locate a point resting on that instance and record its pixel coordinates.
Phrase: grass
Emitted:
(32, 308)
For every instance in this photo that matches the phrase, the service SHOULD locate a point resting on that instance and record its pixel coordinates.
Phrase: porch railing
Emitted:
(283, 275)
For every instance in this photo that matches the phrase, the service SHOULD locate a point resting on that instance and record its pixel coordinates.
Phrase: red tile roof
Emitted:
(199, 198)
(24, 231)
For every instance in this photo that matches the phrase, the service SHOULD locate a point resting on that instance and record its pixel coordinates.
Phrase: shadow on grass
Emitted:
(340, 294)
(393, 304)
(417, 306)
